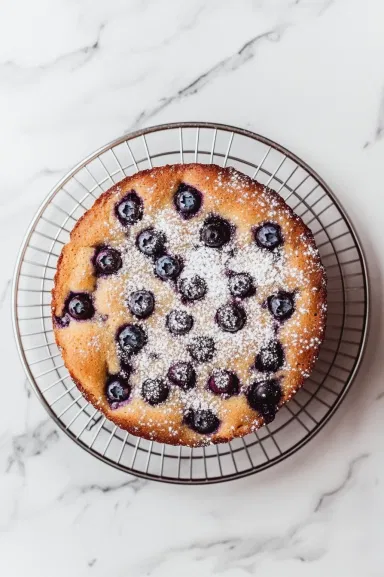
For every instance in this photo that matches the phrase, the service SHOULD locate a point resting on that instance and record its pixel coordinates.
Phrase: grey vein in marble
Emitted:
(329, 495)
(31, 444)
(4, 292)
(379, 130)
(225, 66)
(234, 552)
(81, 55)
(134, 483)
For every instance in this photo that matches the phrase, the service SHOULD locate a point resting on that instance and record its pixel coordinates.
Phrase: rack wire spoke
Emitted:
(197, 144)
(131, 155)
(228, 149)
(123, 444)
(109, 177)
(81, 410)
(147, 151)
(80, 202)
(87, 423)
(97, 432)
(276, 171)
(78, 398)
(109, 440)
(294, 190)
(181, 145)
(262, 162)
(120, 168)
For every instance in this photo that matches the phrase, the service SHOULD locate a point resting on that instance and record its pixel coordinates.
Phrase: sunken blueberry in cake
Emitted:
(189, 304)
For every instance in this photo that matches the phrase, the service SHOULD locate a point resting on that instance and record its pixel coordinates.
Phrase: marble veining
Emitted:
(227, 65)
(379, 129)
(75, 74)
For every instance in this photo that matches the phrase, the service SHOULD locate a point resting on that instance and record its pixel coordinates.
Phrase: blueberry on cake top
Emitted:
(189, 304)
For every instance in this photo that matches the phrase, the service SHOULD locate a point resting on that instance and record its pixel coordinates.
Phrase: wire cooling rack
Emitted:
(348, 301)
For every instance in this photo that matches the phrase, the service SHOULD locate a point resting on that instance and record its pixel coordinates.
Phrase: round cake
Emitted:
(189, 304)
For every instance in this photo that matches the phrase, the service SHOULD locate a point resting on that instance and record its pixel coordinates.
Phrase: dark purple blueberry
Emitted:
(141, 303)
(131, 339)
(223, 382)
(62, 322)
(183, 375)
(179, 322)
(130, 209)
(202, 421)
(231, 317)
(187, 200)
(268, 235)
(281, 305)
(107, 261)
(215, 232)
(80, 306)
(270, 358)
(202, 349)
(150, 242)
(155, 391)
(117, 389)
(264, 397)
(192, 288)
(167, 267)
(241, 285)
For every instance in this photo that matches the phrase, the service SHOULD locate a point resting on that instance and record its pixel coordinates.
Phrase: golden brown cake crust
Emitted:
(89, 347)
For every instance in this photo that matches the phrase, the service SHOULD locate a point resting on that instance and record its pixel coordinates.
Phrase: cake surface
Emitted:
(189, 304)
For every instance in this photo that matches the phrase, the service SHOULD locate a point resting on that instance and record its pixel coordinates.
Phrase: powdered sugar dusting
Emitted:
(266, 268)
(213, 266)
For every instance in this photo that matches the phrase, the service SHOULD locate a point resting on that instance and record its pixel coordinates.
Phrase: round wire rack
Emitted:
(348, 302)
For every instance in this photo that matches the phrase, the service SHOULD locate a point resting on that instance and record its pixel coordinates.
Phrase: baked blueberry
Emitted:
(202, 349)
(268, 235)
(130, 209)
(167, 267)
(281, 305)
(117, 389)
(187, 200)
(179, 322)
(150, 242)
(80, 306)
(192, 288)
(231, 317)
(223, 382)
(155, 391)
(270, 358)
(264, 397)
(62, 322)
(183, 375)
(131, 339)
(107, 261)
(241, 285)
(215, 232)
(202, 421)
(141, 303)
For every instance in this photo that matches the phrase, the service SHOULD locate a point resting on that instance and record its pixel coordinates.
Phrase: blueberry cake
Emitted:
(189, 304)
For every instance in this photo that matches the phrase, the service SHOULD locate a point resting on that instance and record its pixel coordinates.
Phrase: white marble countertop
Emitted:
(74, 74)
